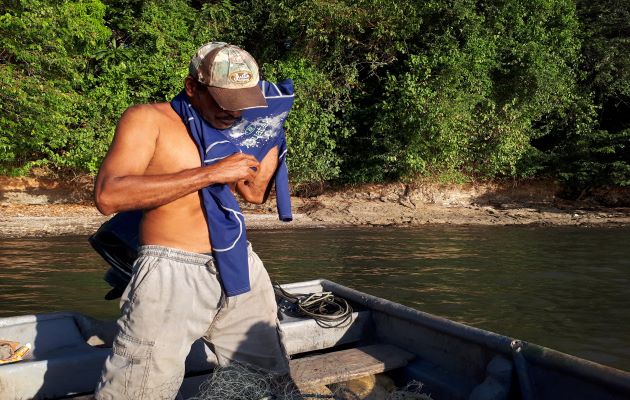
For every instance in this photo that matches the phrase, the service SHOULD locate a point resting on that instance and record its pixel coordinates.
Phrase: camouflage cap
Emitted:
(231, 75)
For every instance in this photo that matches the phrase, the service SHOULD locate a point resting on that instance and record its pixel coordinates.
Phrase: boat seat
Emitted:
(311, 374)
(345, 365)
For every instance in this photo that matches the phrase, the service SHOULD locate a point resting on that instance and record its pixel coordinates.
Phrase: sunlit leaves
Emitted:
(385, 90)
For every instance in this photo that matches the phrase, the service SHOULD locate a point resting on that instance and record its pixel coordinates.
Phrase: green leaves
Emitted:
(46, 48)
(384, 91)
(312, 129)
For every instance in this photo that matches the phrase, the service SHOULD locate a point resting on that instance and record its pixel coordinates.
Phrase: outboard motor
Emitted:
(117, 241)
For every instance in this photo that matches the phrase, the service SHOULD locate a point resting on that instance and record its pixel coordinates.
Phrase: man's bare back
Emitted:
(153, 164)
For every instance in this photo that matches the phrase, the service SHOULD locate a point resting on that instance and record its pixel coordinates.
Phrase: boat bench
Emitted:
(340, 366)
(312, 373)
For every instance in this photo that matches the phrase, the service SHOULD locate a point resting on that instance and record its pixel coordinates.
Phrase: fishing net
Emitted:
(240, 382)
(413, 391)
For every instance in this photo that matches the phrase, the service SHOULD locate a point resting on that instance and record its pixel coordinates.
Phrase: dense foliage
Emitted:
(451, 89)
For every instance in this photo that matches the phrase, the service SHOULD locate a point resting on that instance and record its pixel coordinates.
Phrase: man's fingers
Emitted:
(245, 156)
(239, 166)
(252, 174)
(252, 161)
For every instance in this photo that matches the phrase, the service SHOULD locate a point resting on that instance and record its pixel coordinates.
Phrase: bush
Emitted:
(46, 49)
(385, 91)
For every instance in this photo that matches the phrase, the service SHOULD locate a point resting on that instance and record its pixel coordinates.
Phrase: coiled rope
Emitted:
(328, 310)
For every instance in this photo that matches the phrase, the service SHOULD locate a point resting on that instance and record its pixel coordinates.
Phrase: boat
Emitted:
(452, 360)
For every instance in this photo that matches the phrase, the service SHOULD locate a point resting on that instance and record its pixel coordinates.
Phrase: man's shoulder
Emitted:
(148, 119)
(150, 112)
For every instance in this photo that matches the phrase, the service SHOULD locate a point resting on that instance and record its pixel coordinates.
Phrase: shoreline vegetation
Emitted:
(37, 207)
(492, 90)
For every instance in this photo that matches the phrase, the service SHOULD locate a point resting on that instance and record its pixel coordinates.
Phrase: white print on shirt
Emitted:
(259, 131)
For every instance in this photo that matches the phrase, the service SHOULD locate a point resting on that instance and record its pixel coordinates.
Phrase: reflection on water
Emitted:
(52, 274)
(564, 288)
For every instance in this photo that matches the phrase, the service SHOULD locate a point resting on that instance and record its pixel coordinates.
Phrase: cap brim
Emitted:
(238, 99)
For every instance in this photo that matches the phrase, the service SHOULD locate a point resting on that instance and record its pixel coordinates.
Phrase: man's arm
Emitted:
(257, 190)
(121, 184)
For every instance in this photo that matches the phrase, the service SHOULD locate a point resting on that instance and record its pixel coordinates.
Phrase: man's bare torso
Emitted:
(181, 223)
(153, 165)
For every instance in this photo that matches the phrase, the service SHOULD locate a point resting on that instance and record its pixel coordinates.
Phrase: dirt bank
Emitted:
(32, 207)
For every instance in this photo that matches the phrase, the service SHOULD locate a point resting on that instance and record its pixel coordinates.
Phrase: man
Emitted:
(177, 293)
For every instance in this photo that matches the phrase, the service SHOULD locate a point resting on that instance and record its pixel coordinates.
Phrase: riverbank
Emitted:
(35, 207)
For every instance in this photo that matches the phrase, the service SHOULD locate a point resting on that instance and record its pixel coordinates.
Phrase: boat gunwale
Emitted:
(533, 353)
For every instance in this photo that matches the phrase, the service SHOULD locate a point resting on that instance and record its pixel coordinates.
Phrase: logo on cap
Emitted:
(241, 77)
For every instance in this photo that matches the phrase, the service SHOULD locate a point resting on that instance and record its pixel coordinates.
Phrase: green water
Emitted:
(564, 288)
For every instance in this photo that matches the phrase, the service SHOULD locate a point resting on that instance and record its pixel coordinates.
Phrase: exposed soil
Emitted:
(33, 207)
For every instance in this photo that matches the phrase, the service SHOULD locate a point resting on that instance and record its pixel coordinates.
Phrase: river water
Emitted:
(564, 288)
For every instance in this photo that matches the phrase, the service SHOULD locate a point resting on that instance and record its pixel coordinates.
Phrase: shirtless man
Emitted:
(175, 294)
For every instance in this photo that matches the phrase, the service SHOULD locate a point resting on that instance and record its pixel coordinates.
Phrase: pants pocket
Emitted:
(134, 355)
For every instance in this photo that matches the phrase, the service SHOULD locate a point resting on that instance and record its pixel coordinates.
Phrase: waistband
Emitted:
(188, 257)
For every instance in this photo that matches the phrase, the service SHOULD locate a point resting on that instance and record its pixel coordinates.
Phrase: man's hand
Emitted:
(257, 190)
(237, 167)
